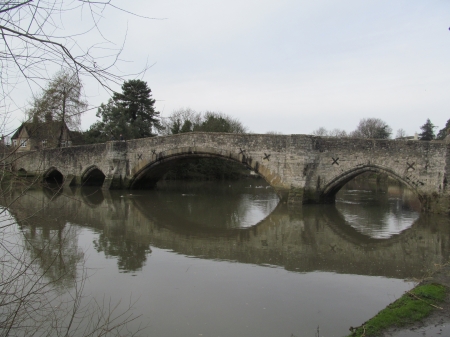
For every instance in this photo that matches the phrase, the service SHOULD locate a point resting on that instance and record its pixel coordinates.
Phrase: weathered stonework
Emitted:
(302, 168)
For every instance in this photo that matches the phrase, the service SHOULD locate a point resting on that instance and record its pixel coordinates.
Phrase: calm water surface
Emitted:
(227, 259)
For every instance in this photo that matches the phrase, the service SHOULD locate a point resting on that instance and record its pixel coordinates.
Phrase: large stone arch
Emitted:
(328, 193)
(149, 172)
(92, 176)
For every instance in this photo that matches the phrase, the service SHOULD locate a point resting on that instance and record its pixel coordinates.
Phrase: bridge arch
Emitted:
(53, 176)
(146, 174)
(92, 176)
(329, 192)
(22, 172)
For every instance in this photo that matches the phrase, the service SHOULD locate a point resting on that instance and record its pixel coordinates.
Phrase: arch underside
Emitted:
(149, 175)
(22, 172)
(92, 176)
(53, 176)
(332, 188)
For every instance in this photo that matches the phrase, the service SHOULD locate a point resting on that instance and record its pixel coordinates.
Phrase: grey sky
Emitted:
(291, 66)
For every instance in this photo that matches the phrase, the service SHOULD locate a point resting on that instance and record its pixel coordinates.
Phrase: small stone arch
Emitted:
(92, 176)
(329, 192)
(22, 172)
(53, 176)
(146, 174)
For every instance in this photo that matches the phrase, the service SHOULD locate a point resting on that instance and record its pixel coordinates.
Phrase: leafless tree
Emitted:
(39, 38)
(331, 133)
(320, 132)
(62, 100)
(43, 277)
(337, 133)
(400, 134)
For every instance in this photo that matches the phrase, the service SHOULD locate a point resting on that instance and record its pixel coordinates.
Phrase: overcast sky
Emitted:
(290, 66)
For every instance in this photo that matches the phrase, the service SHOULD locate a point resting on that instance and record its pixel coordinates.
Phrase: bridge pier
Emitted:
(117, 165)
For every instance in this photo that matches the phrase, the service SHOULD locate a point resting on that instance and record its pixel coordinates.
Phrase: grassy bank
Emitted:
(413, 306)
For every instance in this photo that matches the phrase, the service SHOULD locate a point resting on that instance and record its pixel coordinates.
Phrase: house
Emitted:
(38, 135)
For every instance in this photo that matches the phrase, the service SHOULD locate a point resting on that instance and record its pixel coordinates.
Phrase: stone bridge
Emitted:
(301, 168)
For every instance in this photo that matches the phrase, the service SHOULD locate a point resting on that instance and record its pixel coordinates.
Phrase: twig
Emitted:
(435, 306)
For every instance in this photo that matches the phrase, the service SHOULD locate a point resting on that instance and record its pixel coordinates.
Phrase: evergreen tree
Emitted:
(130, 114)
(137, 108)
(443, 132)
(213, 123)
(427, 131)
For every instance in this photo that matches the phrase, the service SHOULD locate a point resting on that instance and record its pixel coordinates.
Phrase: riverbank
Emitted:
(423, 311)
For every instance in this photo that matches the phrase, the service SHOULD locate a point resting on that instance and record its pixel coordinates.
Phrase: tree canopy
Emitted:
(427, 131)
(187, 120)
(374, 128)
(444, 131)
(130, 113)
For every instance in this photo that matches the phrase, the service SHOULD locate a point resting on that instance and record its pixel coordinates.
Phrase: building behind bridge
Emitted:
(39, 135)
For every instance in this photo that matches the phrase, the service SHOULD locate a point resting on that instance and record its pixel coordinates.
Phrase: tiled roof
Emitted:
(41, 130)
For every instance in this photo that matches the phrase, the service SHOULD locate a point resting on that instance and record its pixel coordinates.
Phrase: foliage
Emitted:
(187, 120)
(60, 101)
(96, 134)
(219, 122)
(444, 131)
(427, 131)
(180, 121)
(411, 307)
(130, 114)
(373, 128)
(137, 107)
(131, 254)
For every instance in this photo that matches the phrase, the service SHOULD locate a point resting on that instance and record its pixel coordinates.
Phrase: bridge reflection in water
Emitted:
(230, 260)
(314, 238)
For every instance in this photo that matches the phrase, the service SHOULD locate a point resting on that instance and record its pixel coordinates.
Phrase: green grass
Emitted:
(407, 309)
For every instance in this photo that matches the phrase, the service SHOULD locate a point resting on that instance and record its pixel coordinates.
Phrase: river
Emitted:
(229, 259)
